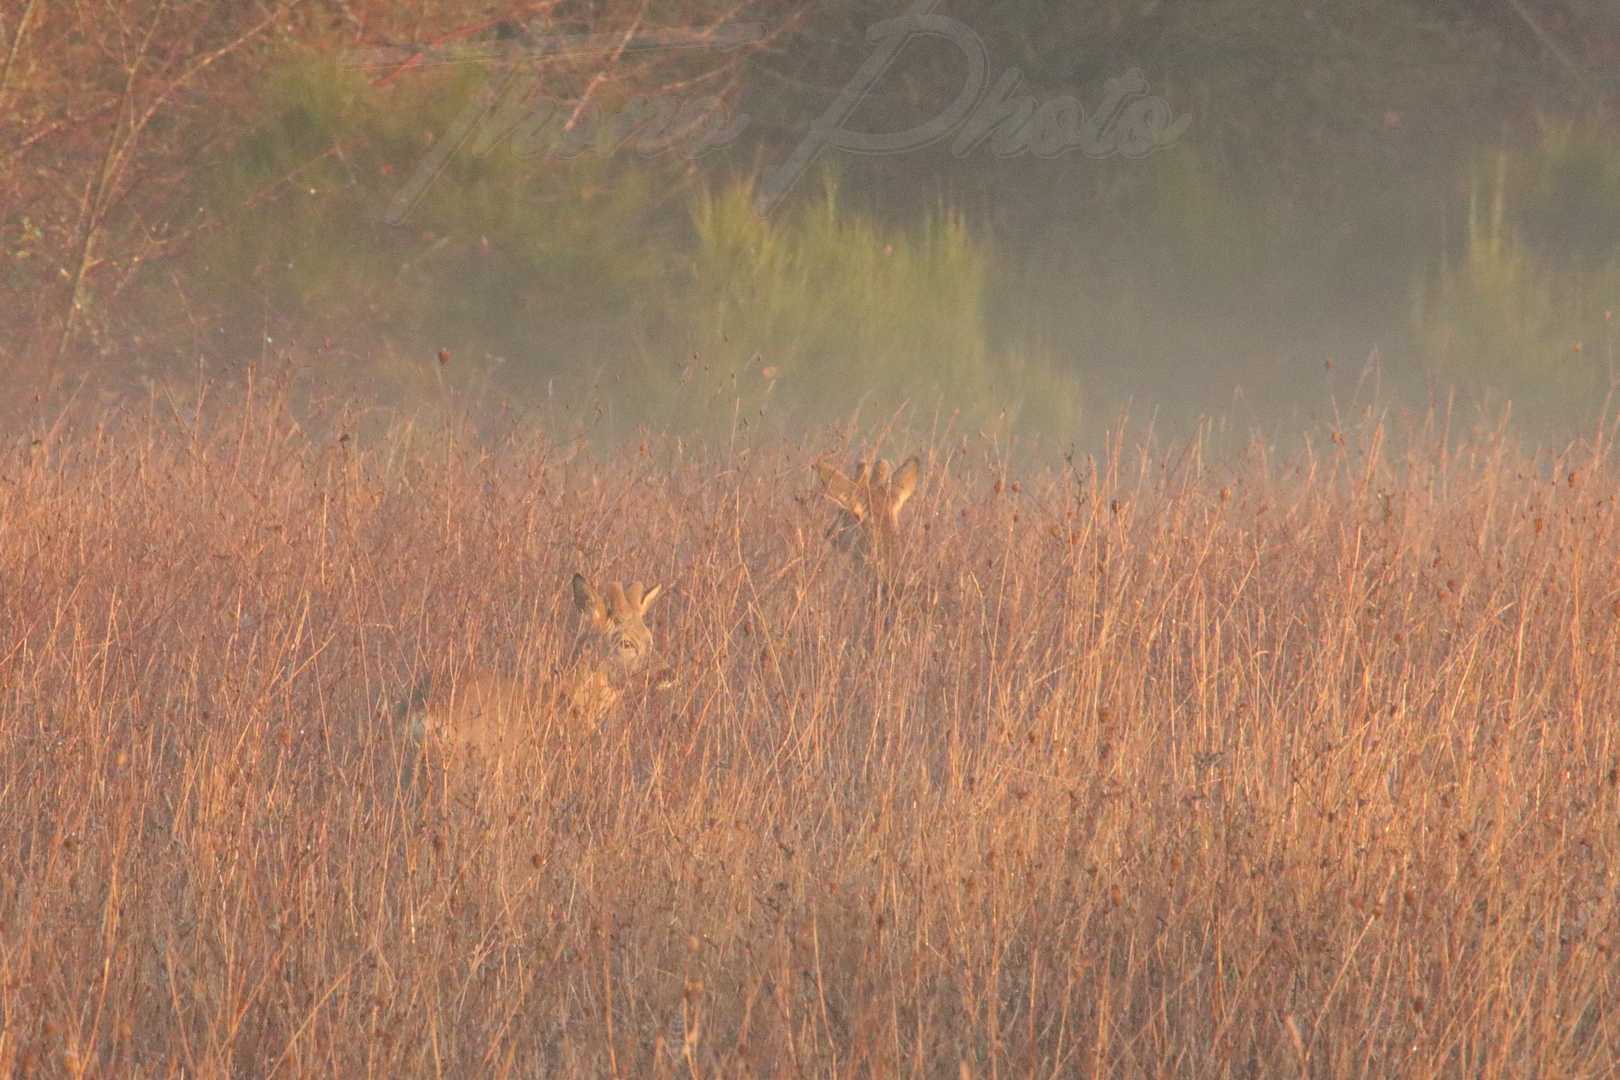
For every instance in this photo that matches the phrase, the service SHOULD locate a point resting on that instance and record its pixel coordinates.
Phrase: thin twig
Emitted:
(11, 54)
(1551, 45)
(98, 197)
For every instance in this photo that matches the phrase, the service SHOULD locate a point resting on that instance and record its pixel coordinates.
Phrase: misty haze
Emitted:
(571, 539)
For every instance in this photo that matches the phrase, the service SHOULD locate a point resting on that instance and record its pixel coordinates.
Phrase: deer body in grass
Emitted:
(868, 522)
(486, 713)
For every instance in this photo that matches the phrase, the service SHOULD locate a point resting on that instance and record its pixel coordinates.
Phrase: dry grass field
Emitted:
(1277, 765)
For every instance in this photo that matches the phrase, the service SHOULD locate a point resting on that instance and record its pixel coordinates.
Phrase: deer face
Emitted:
(869, 504)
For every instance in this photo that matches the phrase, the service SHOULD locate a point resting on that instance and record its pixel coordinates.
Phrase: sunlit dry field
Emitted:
(1281, 763)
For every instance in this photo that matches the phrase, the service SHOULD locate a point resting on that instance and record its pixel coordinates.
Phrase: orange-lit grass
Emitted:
(1159, 766)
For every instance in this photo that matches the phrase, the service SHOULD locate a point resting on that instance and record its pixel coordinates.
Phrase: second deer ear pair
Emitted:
(623, 603)
(868, 526)
(872, 489)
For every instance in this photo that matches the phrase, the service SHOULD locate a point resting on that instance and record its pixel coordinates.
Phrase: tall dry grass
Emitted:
(1160, 766)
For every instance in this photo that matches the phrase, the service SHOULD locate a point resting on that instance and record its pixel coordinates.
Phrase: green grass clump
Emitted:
(1526, 308)
(833, 311)
(509, 257)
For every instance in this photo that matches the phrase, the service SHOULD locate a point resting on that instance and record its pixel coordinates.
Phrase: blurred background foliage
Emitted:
(1431, 186)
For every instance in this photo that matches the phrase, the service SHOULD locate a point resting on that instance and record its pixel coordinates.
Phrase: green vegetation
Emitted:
(496, 259)
(1527, 304)
(1436, 188)
(844, 313)
(669, 303)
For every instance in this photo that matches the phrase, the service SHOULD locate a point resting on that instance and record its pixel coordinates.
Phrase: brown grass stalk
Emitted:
(1172, 764)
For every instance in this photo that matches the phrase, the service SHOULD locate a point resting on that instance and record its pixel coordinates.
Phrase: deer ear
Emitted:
(905, 482)
(618, 605)
(648, 597)
(836, 485)
(588, 600)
